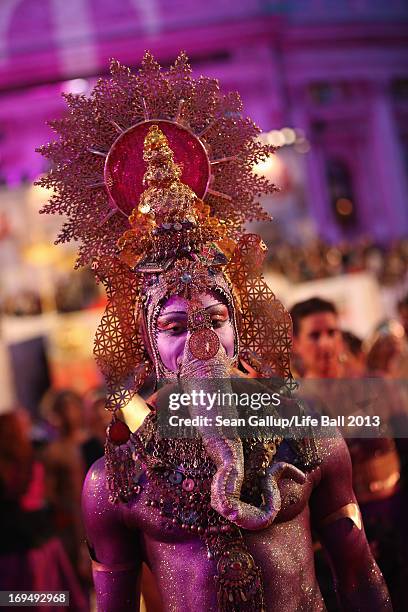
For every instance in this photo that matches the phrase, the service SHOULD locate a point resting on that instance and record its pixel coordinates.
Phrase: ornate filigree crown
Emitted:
(99, 163)
(154, 175)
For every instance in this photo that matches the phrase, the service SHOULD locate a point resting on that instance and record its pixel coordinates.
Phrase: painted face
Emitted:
(319, 345)
(172, 327)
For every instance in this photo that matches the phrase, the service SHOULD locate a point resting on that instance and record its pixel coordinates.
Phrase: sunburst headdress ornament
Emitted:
(154, 174)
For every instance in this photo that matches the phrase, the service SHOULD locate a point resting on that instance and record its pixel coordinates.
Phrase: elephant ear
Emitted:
(119, 347)
(265, 324)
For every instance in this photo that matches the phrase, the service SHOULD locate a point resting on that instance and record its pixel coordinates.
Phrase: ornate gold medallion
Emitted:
(204, 344)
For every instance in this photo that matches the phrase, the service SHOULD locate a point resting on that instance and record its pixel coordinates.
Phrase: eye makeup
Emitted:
(169, 327)
(219, 315)
(175, 322)
(172, 323)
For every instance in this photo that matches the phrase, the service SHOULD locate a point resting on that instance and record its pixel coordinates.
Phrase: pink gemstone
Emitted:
(188, 484)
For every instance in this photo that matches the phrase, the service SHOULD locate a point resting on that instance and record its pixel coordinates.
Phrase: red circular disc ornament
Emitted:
(204, 344)
(125, 167)
(118, 433)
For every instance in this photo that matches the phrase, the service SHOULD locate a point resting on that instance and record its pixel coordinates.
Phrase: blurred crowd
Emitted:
(316, 260)
(74, 291)
(42, 468)
(312, 261)
(336, 370)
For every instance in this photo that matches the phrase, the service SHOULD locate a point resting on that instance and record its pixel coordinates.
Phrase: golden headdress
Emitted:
(154, 173)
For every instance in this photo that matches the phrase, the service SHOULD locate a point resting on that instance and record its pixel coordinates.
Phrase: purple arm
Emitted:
(116, 564)
(359, 582)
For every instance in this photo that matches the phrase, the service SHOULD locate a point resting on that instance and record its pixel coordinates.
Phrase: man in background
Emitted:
(321, 352)
(317, 339)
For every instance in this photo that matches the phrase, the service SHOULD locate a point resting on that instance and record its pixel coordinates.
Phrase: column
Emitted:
(390, 180)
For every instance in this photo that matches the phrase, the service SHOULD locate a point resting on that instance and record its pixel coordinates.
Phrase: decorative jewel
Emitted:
(186, 278)
(238, 581)
(188, 484)
(204, 344)
(144, 208)
(175, 478)
(198, 318)
(118, 433)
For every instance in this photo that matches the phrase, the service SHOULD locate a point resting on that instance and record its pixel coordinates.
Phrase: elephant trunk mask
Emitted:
(226, 450)
(201, 355)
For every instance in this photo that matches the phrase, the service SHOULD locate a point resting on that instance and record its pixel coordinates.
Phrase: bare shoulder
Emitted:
(96, 506)
(333, 487)
(96, 475)
(108, 537)
(334, 453)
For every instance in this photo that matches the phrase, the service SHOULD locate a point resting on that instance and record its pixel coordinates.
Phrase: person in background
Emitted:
(317, 339)
(387, 360)
(97, 419)
(65, 466)
(353, 358)
(387, 353)
(31, 556)
(326, 353)
(387, 365)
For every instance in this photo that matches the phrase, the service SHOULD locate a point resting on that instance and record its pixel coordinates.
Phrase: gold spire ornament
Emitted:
(166, 197)
(170, 219)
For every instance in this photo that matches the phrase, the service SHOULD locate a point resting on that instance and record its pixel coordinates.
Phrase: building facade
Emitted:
(334, 72)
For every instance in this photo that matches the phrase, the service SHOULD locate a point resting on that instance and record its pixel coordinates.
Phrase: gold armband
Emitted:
(351, 511)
